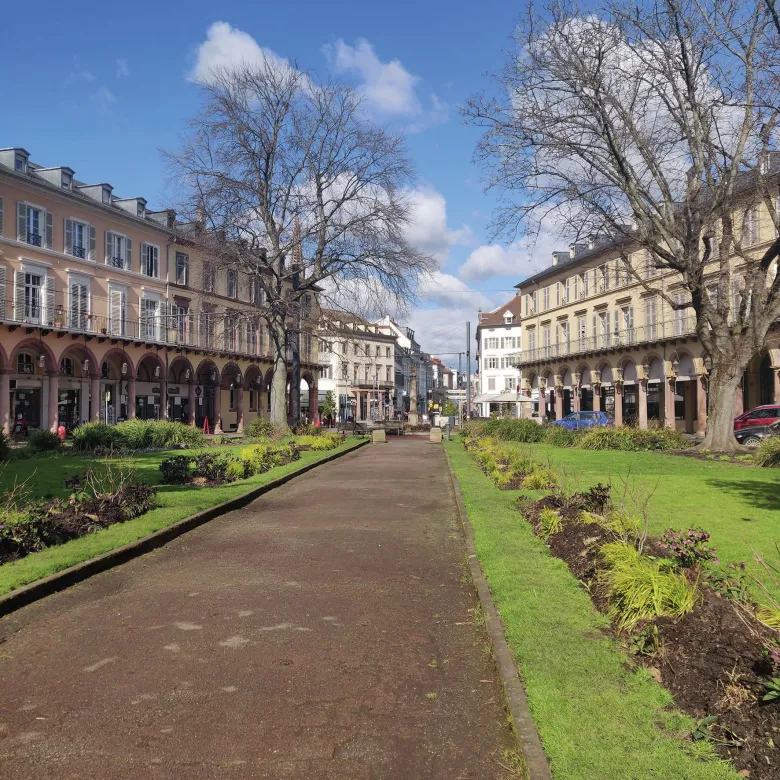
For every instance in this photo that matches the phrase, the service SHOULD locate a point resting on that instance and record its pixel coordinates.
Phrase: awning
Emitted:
(485, 398)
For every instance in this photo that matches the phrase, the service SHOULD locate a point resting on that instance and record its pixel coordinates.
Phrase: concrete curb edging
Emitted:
(536, 765)
(81, 571)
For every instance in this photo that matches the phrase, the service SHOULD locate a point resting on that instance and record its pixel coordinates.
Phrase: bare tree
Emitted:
(289, 182)
(654, 124)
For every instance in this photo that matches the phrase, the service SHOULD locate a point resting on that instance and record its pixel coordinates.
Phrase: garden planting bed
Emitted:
(716, 660)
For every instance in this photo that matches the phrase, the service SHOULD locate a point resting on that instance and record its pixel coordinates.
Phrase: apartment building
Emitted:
(595, 338)
(358, 365)
(110, 311)
(498, 338)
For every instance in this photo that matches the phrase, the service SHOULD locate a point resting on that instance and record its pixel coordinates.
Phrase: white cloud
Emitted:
(228, 47)
(429, 231)
(78, 75)
(103, 98)
(388, 88)
(122, 68)
(447, 290)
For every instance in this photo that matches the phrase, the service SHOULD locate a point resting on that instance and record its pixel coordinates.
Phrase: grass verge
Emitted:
(175, 503)
(596, 717)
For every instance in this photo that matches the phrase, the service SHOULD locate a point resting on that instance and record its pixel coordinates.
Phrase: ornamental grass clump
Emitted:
(642, 588)
(550, 522)
(631, 439)
(768, 453)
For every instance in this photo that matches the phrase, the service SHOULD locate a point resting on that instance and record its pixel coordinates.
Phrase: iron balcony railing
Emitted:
(624, 337)
(79, 251)
(34, 238)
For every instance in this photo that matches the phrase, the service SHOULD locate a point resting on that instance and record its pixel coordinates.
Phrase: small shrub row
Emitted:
(134, 435)
(509, 468)
(260, 428)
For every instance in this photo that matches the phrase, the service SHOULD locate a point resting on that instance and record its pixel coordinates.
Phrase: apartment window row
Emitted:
(504, 342)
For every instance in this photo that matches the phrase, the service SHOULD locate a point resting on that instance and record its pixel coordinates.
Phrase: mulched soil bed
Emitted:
(711, 660)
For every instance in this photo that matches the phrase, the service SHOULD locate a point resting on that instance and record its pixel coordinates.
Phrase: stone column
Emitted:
(240, 409)
(314, 402)
(192, 402)
(5, 401)
(596, 398)
(217, 422)
(669, 421)
(558, 403)
(163, 415)
(701, 405)
(739, 402)
(642, 401)
(777, 385)
(575, 399)
(54, 398)
(131, 398)
(94, 392)
(618, 387)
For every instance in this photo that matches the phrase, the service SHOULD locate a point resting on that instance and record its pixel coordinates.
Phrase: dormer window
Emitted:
(106, 196)
(20, 163)
(509, 318)
(141, 209)
(67, 181)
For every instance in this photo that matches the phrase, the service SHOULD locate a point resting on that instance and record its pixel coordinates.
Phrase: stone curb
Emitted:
(536, 765)
(81, 571)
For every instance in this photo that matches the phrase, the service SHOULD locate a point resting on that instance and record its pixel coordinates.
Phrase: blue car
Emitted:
(577, 420)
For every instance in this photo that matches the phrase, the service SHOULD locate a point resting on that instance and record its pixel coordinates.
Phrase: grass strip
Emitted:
(596, 717)
(175, 503)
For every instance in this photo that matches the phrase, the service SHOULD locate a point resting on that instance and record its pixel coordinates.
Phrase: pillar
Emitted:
(669, 421)
(575, 399)
(94, 393)
(163, 414)
(314, 402)
(217, 409)
(739, 401)
(5, 401)
(642, 402)
(618, 387)
(777, 384)
(54, 398)
(131, 398)
(240, 408)
(191, 402)
(701, 405)
(596, 398)
(558, 403)
(690, 399)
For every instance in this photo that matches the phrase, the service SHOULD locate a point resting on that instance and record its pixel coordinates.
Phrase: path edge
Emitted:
(528, 740)
(54, 583)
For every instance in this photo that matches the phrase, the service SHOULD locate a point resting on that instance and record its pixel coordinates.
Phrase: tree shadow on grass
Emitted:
(757, 493)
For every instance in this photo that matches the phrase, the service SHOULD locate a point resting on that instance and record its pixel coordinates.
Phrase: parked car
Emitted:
(753, 435)
(577, 420)
(761, 415)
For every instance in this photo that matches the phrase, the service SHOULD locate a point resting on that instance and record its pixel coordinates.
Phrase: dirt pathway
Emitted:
(325, 631)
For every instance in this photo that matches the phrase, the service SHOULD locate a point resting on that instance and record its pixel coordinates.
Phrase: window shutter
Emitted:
(109, 246)
(144, 250)
(84, 298)
(129, 254)
(92, 243)
(2, 292)
(1, 216)
(21, 222)
(49, 298)
(76, 320)
(68, 237)
(49, 230)
(115, 312)
(156, 261)
(18, 295)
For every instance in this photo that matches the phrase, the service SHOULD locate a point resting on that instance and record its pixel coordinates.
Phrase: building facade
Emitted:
(109, 311)
(498, 336)
(359, 362)
(596, 338)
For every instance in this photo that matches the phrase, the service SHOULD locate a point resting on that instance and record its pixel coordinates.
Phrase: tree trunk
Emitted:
(279, 380)
(723, 385)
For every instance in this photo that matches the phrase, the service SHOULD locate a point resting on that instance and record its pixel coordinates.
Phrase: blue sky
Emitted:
(102, 87)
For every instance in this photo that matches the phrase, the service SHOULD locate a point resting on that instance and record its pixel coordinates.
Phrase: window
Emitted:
(627, 334)
(256, 292)
(368, 350)
(344, 370)
(566, 290)
(117, 303)
(387, 352)
(78, 235)
(232, 283)
(651, 265)
(601, 328)
(531, 340)
(378, 351)
(355, 370)
(79, 303)
(491, 362)
(491, 343)
(557, 294)
(33, 297)
(750, 227)
(491, 383)
(20, 163)
(355, 348)
(326, 372)
(564, 336)
(509, 383)
(118, 250)
(546, 339)
(150, 260)
(389, 374)
(150, 318)
(534, 301)
(545, 298)
(680, 315)
(583, 284)
(106, 195)
(651, 318)
(230, 327)
(182, 268)
(603, 277)
(34, 225)
(207, 319)
(24, 363)
(209, 277)
(509, 318)
(66, 367)
(67, 181)
(527, 305)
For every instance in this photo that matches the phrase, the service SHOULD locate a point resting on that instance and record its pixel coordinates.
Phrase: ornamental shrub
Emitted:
(631, 439)
(235, 470)
(689, 547)
(768, 453)
(95, 435)
(509, 429)
(44, 441)
(135, 435)
(260, 428)
(212, 466)
(175, 470)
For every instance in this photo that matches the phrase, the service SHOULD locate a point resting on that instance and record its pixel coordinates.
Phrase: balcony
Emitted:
(79, 251)
(682, 327)
(34, 239)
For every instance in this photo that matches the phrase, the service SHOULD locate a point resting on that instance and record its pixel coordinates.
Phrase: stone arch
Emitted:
(686, 368)
(206, 369)
(630, 374)
(654, 368)
(178, 368)
(79, 353)
(607, 375)
(146, 365)
(35, 347)
(253, 378)
(314, 400)
(117, 358)
(231, 373)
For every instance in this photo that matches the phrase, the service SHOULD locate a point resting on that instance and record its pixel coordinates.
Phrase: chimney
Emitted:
(572, 250)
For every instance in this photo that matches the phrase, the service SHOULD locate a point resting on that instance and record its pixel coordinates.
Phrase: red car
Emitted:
(761, 415)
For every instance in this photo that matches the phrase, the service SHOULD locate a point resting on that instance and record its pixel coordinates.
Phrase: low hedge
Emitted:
(135, 435)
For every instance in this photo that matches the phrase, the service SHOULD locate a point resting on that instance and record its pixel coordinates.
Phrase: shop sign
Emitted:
(174, 391)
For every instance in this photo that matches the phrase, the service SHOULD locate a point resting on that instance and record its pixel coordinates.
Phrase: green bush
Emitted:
(322, 441)
(473, 429)
(135, 435)
(509, 429)
(768, 453)
(175, 470)
(560, 436)
(550, 522)
(94, 435)
(260, 428)
(44, 441)
(306, 429)
(631, 439)
(212, 466)
(235, 470)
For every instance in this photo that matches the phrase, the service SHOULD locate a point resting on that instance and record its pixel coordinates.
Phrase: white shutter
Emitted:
(109, 246)
(92, 243)
(48, 221)
(116, 313)
(144, 250)
(49, 300)
(2, 292)
(19, 295)
(68, 237)
(1, 216)
(21, 222)
(128, 254)
(157, 262)
(76, 320)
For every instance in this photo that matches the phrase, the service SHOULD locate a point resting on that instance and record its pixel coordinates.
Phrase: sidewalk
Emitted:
(325, 631)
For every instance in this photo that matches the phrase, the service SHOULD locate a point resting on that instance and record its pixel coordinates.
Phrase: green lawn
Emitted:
(597, 719)
(175, 503)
